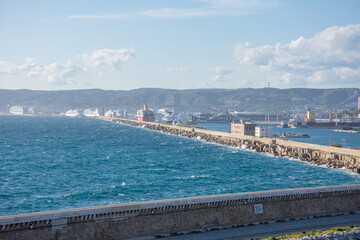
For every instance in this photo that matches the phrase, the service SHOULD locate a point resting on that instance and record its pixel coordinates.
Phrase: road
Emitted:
(275, 228)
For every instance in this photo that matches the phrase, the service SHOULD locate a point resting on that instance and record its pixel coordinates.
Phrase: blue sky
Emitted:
(50, 45)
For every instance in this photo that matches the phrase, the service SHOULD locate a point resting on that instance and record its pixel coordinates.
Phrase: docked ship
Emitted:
(72, 113)
(219, 118)
(91, 113)
(145, 114)
(17, 110)
(169, 118)
(311, 123)
(110, 113)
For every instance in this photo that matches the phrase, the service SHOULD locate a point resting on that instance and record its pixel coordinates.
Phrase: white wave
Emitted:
(199, 176)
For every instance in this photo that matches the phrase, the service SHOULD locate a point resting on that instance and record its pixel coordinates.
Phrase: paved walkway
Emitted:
(275, 228)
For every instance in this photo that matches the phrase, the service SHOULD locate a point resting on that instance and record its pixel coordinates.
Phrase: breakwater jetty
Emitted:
(184, 215)
(347, 131)
(333, 157)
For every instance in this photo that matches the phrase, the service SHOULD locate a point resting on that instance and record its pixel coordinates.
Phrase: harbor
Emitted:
(225, 185)
(195, 119)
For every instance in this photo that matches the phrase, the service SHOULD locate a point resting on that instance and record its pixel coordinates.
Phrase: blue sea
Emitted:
(59, 163)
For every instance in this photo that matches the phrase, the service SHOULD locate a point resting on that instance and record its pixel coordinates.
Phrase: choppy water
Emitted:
(59, 163)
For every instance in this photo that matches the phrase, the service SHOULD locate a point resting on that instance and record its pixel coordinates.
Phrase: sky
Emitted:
(179, 44)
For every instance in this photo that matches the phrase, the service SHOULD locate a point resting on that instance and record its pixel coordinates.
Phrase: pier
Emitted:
(333, 157)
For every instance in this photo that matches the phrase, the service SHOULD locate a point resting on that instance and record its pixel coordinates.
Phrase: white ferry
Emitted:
(72, 113)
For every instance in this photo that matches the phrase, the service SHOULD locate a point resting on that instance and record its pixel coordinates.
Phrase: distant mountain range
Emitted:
(210, 100)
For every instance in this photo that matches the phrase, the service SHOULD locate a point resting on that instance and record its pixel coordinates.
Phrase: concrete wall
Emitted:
(177, 215)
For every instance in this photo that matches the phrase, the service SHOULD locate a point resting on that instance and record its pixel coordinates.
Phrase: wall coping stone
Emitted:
(180, 204)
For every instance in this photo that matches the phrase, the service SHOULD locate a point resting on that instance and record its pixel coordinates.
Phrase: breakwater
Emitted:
(346, 131)
(315, 154)
(174, 216)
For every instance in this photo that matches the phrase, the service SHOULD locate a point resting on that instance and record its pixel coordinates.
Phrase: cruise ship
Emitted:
(91, 113)
(17, 110)
(72, 113)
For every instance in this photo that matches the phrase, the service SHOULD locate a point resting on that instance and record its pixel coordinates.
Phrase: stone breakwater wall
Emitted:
(166, 217)
(316, 154)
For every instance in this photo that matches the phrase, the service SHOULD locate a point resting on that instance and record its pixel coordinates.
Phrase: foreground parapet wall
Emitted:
(177, 215)
(313, 153)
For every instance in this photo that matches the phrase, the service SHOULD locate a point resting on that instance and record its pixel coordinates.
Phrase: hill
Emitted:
(244, 99)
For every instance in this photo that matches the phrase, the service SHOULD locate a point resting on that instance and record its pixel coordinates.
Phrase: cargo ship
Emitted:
(311, 123)
(145, 114)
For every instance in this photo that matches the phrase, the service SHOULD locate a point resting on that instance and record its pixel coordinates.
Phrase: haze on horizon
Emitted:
(53, 45)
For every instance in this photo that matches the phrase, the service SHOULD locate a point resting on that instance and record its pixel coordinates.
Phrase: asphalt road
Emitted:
(275, 228)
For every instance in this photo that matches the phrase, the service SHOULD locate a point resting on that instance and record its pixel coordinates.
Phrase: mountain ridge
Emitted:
(242, 99)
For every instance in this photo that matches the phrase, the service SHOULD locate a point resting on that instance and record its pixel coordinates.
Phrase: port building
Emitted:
(246, 128)
(262, 131)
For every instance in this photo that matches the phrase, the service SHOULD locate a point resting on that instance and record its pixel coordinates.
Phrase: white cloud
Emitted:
(8, 68)
(54, 73)
(108, 57)
(210, 8)
(339, 75)
(329, 57)
(221, 73)
(57, 74)
(178, 69)
(68, 73)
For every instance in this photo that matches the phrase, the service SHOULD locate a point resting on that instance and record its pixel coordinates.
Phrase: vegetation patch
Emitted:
(303, 234)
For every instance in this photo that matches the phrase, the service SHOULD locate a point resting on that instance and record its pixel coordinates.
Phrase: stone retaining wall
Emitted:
(180, 215)
(312, 153)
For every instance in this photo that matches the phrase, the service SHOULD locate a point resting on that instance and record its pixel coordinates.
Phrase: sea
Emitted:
(322, 136)
(53, 163)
